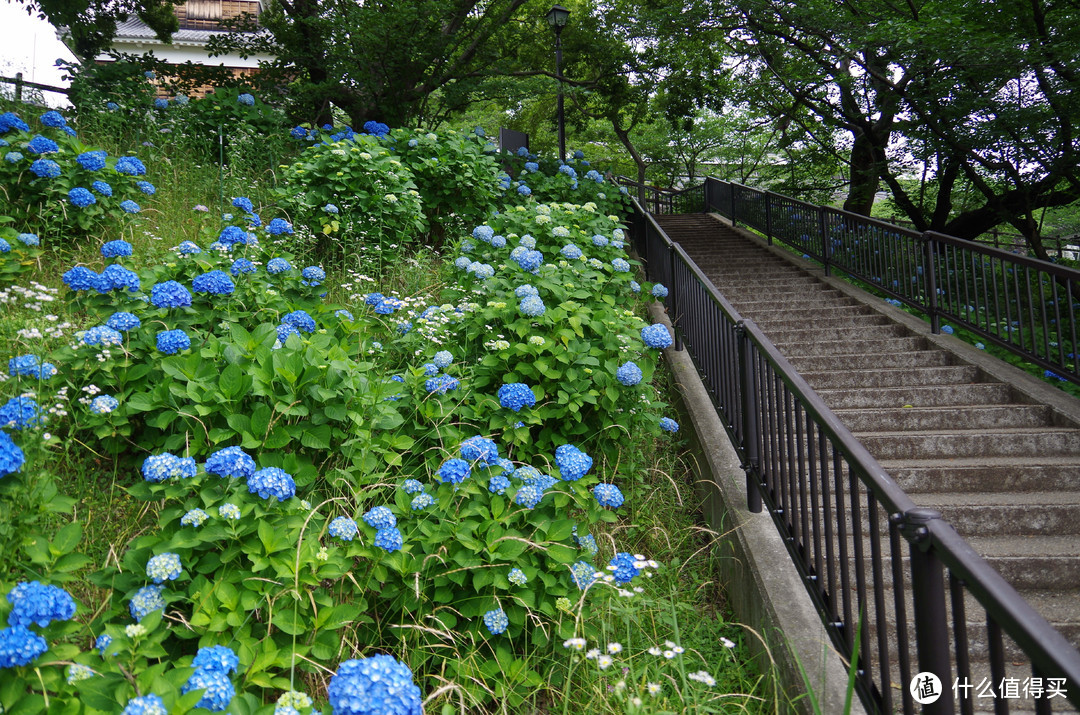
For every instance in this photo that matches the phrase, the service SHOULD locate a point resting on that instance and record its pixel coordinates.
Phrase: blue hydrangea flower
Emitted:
(301, 320)
(532, 306)
(130, 165)
(629, 374)
(656, 336)
(659, 291)
(14, 157)
(587, 543)
(194, 517)
(243, 203)
(214, 283)
(635, 286)
(229, 511)
(188, 248)
(573, 464)
(42, 145)
(421, 501)
(346, 315)
(625, 570)
(36, 603)
(146, 187)
(277, 265)
(164, 567)
(231, 235)
(103, 404)
(498, 241)
(19, 413)
(498, 484)
(380, 517)
(145, 601)
(171, 342)
(524, 190)
(81, 197)
(454, 471)
(343, 528)
(480, 449)
(530, 261)
(272, 482)
(284, 331)
(947, 329)
(532, 166)
(378, 685)
(331, 209)
(443, 359)
(30, 366)
(170, 294)
(20, 646)
(441, 384)
(506, 465)
(388, 538)
(161, 103)
(532, 475)
(412, 486)
(246, 99)
(279, 226)
(526, 290)
(583, 574)
(116, 249)
(102, 643)
(130, 206)
(116, 277)
(516, 395)
(92, 160)
(387, 306)
(374, 299)
(483, 233)
(517, 577)
(313, 276)
(77, 672)
(298, 132)
(159, 467)
(102, 335)
(218, 657)
(4, 246)
(571, 252)
(496, 621)
(181, 99)
(528, 496)
(242, 265)
(10, 120)
(462, 262)
(430, 369)
(608, 495)
(147, 704)
(123, 321)
(218, 690)
(669, 425)
(230, 462)
(620, 265)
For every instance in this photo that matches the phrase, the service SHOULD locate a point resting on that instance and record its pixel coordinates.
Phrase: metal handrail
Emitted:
(1016, 302)
(821, 486)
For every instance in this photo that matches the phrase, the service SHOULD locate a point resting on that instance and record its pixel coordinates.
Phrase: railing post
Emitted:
(733, 221)
(18, 86)
(673, 291)
(768, 218)
(826, 244)
(930, 258)
(751, 459)
(928, 598)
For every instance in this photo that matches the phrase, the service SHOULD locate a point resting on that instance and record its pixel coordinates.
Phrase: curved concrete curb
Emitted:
(762, 585)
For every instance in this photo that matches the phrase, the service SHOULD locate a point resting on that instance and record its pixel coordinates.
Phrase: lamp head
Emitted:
(557, 17)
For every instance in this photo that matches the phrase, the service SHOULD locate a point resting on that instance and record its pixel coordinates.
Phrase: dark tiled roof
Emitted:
(136, 29)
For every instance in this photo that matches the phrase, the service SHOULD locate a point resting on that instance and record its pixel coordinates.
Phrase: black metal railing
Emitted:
(658, 201)
(1022, 304)
(899, 591)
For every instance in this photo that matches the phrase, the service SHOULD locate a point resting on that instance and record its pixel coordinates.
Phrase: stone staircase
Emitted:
(1003, 471)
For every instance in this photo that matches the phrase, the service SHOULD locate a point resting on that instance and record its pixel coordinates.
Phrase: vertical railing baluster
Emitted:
(751, 459)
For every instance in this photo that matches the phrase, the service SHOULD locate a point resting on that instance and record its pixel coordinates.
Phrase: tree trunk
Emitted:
(864, 175)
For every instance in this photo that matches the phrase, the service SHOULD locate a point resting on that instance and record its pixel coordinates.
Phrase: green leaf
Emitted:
(67, 538)
(231, 382)
(316, 437)
(562, 554)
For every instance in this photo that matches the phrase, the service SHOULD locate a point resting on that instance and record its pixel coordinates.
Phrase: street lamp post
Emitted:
(556, 18)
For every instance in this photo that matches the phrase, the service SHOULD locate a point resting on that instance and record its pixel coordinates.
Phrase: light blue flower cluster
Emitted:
(378, 685)
(625, 570)
(583, 574)
(42, 145)
(30, 366)
(92, 160)
(122, 321)
(170, 294)
(230, 462)
(188, 248)
(130, 165)
(573, 464)
(608, 495)
(103, 404)
(380, 517)
(218, 690)
(19, 413)
(388, 538)
(164, 567)
(498, 484)
(279, 226)
(45, 168)
(229, 511)
(571, 251)
(528, 496)
(517, 577)
(81, 197)
(300, 320)
(146, 187)
(480, 449)
(194, 517)
(587, 543)
(528, 260)
(145, 601)
(11, 457)
(421, 501)
(629, 374)
(277, 265)
(116, 249)
(213, 282)
(343, 528)
(159, 467)
(171, 342)
(242, 265)
(659, 291)
(36, 603)
(441, 384)
(20, 646)
(669, 425)
(496, 621)
(532, 306)
(116, 277)
(412, 486)
(515, 395)
(218, 657)
(147, 704)
(313, 276)
(272, 482)
(129, 206)
(656, 336)
(454, 471)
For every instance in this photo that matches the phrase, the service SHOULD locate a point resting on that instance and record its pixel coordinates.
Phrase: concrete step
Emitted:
(838, 336)
(986, 474)
(963, 417)
(837, 308)
(868, 361)
(892, 377)
(944, 445)
(793, 350)
(1016, 515)
(982, 393)
(1043, 563)
(779, 323)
